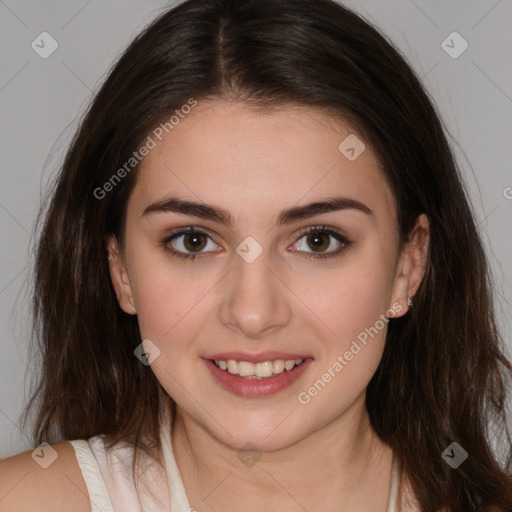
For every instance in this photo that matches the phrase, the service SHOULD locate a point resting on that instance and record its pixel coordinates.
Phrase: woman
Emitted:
(259, 283)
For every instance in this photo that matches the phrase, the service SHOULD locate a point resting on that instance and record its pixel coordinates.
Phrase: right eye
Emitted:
(190, 239)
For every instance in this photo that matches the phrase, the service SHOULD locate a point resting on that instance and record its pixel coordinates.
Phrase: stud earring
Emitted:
(409, 301)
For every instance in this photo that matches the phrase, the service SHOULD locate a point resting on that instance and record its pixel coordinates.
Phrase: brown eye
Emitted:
(194, 241)
(318, 241)
(189, 243)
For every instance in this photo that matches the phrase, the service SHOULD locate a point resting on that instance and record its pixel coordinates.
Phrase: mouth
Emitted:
(257, 379)
(263, 370)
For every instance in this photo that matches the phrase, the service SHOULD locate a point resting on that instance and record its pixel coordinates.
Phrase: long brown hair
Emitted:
(443, 376)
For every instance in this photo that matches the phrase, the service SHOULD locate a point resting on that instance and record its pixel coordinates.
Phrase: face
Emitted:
(236, 279)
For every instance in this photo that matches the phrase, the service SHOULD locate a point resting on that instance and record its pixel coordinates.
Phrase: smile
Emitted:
(264, 370)
(252, 380)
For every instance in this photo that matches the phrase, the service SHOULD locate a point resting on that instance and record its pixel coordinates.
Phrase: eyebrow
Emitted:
(217, 214)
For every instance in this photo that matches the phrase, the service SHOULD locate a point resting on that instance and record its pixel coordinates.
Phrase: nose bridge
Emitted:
(255, 300)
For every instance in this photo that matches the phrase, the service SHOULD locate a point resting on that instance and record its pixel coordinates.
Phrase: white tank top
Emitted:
(109, 479)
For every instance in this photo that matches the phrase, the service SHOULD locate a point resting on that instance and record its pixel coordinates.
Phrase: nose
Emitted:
(256, 302)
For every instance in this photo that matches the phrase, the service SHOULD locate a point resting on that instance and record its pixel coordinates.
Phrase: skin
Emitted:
(319, 456)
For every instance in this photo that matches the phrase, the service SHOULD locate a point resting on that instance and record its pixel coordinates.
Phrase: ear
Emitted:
(119, 276)
(412, 264)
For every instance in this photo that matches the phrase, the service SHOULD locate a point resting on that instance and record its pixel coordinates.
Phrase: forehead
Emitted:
(226, 154)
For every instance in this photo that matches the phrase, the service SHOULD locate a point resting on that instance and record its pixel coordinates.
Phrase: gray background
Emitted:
(41, 101)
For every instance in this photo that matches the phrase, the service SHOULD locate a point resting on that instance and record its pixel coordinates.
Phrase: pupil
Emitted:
(316, 238)
(193, 241)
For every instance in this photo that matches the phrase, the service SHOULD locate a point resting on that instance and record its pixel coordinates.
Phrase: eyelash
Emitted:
(325, 230)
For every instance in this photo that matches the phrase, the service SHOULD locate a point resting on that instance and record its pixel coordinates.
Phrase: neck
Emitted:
(331, 467)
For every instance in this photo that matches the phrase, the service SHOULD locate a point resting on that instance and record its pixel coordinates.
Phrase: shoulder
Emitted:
(26, 484)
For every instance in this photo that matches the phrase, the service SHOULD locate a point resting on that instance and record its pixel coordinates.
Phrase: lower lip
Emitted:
(253, 388)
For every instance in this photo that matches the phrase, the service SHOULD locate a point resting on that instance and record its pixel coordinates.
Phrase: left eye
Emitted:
(323, 241)
(320, 241)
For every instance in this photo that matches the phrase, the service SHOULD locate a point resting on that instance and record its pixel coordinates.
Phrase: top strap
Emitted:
(179, 500)
(98, 494)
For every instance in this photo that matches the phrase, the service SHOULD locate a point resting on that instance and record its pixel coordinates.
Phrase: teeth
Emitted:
(259, 370)
(289, 365)
(279, 366)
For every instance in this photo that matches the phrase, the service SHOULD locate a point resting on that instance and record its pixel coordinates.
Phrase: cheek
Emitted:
(171, 307)
(169, 319)
(346, 300)
(352, 305)
(162, 297)
(157, 303)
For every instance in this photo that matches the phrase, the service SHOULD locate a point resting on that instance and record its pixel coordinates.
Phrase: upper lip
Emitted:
(260, 357)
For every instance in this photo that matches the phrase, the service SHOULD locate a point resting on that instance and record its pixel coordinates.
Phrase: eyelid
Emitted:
(321, 228)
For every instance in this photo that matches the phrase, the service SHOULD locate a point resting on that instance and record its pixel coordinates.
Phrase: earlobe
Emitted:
(119, 276)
